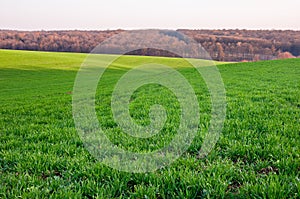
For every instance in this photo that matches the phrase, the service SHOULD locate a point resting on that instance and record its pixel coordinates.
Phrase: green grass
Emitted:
(42, 156)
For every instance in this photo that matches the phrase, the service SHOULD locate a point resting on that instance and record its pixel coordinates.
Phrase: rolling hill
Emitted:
(41, 154)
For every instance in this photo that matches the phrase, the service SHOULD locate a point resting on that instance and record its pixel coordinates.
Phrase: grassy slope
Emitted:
(41, 153)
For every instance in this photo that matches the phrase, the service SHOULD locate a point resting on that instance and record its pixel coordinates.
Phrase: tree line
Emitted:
(222, 45)
(248, 45)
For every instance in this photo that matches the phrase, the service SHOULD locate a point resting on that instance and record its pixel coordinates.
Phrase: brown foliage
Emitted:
(223, 45)
(285, 55)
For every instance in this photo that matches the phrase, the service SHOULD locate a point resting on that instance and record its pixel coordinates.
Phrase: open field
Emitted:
(42, 156)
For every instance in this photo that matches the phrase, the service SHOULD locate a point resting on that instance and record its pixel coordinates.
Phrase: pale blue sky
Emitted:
(139, 14)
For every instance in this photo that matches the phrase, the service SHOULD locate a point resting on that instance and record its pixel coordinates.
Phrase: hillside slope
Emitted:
(41, 154)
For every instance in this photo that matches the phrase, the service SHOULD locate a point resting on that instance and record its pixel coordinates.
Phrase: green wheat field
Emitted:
(42, 156)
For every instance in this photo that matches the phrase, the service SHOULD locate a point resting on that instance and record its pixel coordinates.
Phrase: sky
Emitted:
(142, 14)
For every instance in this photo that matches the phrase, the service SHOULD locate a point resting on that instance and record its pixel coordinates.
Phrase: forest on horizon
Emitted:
(222, 45)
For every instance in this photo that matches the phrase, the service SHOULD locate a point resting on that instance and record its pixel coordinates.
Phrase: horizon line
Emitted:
(118, 29)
